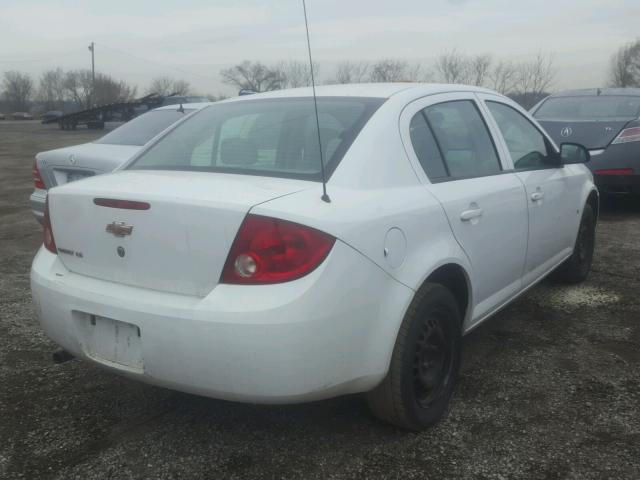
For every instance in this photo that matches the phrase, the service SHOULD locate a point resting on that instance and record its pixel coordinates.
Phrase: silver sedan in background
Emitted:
(64, 165)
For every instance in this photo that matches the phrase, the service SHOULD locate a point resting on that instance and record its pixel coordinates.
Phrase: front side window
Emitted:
(463, 139)
(273, 137)
(527, 145)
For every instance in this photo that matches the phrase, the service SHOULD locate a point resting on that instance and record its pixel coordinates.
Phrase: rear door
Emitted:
(552, 190)
(484, 202)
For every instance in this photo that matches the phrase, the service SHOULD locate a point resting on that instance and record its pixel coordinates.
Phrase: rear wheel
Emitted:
(425, 362)
(576, 268)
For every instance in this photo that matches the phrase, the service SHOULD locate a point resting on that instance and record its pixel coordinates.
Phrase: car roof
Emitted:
(375, 90)
(187, 106)
(594, 92)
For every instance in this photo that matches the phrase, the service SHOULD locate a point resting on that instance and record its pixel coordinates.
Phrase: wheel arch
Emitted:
(454, 277)
(593, 199)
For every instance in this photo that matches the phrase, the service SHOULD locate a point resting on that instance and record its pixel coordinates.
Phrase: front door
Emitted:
(552, 216)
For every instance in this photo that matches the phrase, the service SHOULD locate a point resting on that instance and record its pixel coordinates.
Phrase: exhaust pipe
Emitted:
(61, 356)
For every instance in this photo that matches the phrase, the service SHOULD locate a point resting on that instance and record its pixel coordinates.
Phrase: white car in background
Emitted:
(64, 165)
(211, 264)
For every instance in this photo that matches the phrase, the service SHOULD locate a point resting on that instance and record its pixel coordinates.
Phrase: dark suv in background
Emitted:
(607, 122)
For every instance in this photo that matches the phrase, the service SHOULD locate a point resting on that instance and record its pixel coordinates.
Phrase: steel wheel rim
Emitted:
(585, 242)
(432, 360)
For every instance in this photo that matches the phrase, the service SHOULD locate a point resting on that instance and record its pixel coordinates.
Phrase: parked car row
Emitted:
(16, 116)
(260, 250)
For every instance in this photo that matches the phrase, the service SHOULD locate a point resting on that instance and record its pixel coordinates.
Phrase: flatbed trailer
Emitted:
(95, 117)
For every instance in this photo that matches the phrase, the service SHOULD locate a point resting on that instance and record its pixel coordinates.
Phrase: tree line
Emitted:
(527, 82)
(56, 89)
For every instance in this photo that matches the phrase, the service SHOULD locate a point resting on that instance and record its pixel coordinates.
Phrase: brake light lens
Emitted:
(269, 250)
(615, 171)
(48, 240)
(122, 204)
(628, 135)
(37, 179)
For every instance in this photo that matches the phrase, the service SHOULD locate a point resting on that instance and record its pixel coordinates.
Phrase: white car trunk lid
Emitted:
(178, 245)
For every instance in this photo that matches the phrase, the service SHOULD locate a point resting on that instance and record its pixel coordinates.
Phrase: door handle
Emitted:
(469, 215)
(537, 196)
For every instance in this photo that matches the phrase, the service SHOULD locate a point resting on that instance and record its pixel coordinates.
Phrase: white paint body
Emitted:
(331, 332)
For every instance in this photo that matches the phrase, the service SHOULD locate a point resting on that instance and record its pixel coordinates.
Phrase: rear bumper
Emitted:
(618, 184)
(617, 157)
(37, 202)
(326, 334)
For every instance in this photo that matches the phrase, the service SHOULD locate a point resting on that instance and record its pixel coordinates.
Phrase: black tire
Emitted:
(576, 268)
(425, 363)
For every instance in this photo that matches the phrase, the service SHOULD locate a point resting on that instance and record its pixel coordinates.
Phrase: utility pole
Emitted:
(93, 74)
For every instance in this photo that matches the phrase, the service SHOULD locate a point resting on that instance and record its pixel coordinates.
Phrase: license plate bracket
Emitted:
(113, 342)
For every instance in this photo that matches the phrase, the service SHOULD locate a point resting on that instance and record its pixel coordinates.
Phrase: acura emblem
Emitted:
(566, 132)
(119, 229)
(72, 159)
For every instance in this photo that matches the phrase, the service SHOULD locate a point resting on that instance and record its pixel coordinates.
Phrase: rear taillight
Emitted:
(37, 179)
(628, 135)
(615, 171)
(269, 250)
(48, 240)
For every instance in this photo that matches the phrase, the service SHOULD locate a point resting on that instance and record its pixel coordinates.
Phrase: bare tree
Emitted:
(295, 73)
(17, 89)
(625, 66)
(352, 72)
(169, 86)
(51, 90)
(478, 69)
(79, 86)
(391, 70)
(253, 76)
(452, 66)
(534, 79)
(503, 77)
(110, 90)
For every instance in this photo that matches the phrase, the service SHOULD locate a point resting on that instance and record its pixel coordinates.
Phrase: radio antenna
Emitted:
(324, 197)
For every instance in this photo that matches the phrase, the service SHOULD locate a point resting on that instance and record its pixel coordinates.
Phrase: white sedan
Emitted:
(64, 165)
(210, 263)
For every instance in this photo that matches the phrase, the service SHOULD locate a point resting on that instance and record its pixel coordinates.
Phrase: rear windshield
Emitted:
(143, 128)
(272, 137)
(589, 108)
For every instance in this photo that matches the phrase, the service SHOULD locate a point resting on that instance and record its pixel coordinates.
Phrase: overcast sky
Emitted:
(137, 40)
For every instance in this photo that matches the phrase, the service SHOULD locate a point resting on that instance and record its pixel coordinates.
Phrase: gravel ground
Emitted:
(550, 387)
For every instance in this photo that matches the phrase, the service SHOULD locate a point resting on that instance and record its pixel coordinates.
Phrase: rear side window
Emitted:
(143, 128)
(426, 148)
(527, 146)
(462, 140)
(272, 137)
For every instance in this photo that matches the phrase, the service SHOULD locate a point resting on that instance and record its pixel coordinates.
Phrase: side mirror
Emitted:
(571, 153)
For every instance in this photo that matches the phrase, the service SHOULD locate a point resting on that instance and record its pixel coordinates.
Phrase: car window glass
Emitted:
(143, 128)
(525, 142)
(276, 137)
(606, 107)
(426, 148)
(463, 138)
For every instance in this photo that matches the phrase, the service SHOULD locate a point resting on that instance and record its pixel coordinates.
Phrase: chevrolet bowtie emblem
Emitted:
(119, 229)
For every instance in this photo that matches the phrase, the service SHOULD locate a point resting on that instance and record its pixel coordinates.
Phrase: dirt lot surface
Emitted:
(550, 387)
